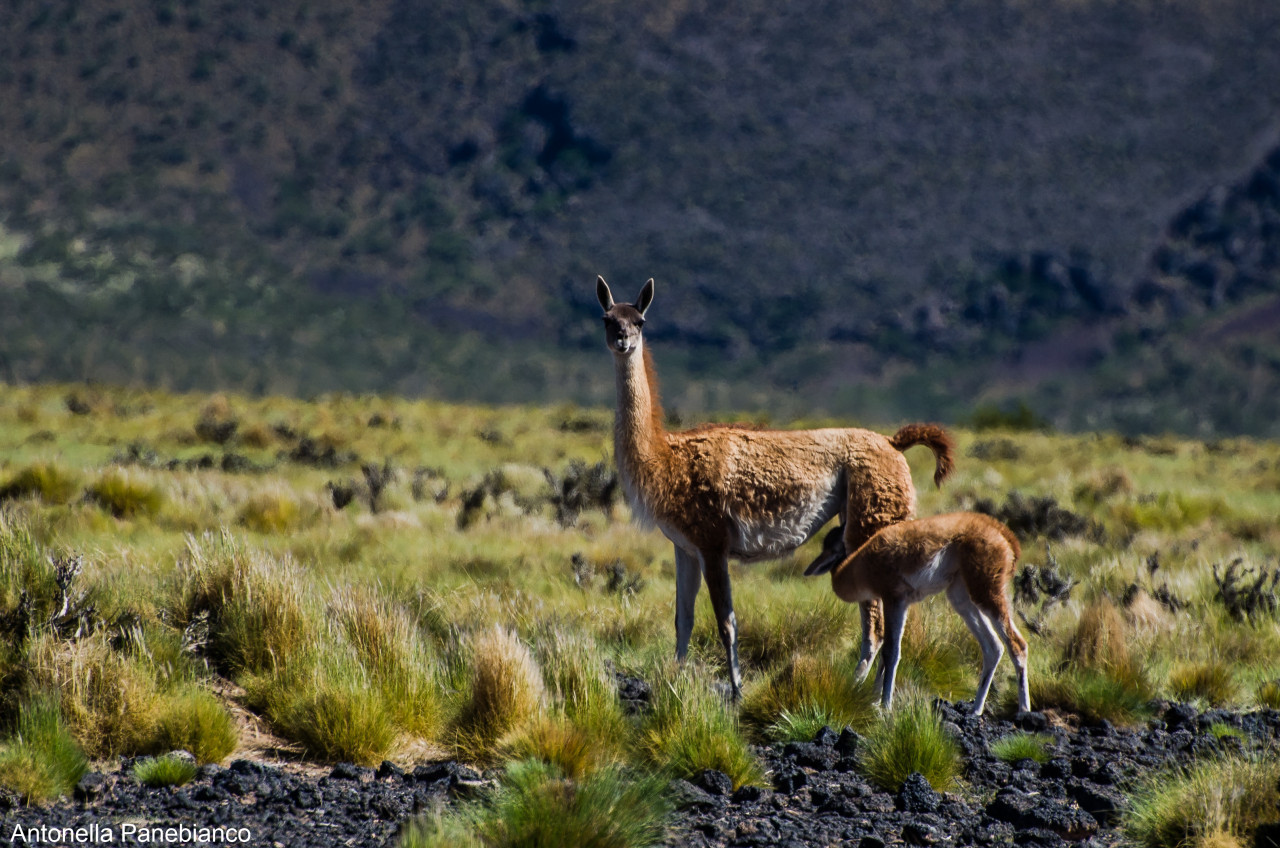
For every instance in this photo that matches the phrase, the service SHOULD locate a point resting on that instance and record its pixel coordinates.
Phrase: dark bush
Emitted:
(1036, 516)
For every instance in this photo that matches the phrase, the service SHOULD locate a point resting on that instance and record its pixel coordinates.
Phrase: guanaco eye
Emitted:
(639, 322)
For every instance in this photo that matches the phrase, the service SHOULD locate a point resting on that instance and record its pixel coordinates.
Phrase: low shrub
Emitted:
(910, 739)
(1248, 594)
(169, 770)
(1206, 803)
(1022, 746)
(41, 761)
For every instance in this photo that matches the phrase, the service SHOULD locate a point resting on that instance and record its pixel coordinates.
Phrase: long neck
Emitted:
(639, 438)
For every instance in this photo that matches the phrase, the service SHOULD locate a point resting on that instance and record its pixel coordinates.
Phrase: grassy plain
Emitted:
(360, 578)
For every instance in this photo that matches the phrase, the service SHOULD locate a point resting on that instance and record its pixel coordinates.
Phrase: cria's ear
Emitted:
(603, 294)
(646, 297)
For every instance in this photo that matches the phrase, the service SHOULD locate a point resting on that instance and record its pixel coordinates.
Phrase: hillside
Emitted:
(881, 209)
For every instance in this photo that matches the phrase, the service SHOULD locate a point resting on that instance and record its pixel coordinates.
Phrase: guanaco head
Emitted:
(622, 321)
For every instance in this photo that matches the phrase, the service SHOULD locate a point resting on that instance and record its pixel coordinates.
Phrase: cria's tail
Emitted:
(933, 437)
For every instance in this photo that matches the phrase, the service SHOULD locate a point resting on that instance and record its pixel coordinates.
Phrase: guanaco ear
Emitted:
(645, 298)
(603, 294)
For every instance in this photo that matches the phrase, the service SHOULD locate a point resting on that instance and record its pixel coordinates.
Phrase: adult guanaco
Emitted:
(968, 555)
(721, 491)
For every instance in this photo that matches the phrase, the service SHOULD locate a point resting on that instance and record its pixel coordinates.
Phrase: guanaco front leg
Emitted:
(688, 582)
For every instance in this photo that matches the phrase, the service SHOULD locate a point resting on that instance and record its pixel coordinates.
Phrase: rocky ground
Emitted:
(817, 799)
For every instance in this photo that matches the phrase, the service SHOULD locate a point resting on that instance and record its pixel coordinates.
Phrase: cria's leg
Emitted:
(872, 638)
(895, 621)
(981, 628)
(1017, 652)
(715, 568)
(688, 582)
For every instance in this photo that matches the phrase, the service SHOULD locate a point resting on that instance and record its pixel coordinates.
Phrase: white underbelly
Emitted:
(776, 536)
(933, 577)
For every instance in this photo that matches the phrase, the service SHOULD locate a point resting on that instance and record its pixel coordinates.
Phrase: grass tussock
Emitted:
(111, 702)
(573, 750)
(579, 681)
(1099, 678)
(1212, 802)
(44, 480)
(1101, 639)
(1122, 699)
(125, 496)
(1022, 746)
(806, 694)
(1210, 682)
(195, 720)
(169, 770)
(692, 728)
(399, 661)
(274, 511)
(911, 739)
(775, 631)
(537, 805)
(41, 761)
(259, 613)
(1269, 694)
(330, 706)
(506, 691)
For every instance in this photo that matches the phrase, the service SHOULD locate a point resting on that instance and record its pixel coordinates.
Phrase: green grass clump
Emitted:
(691, 728)
(573, 750)
(49, 482)
(169, 770)
(806, 694)
(1213, 802)
(1222, 730)
(1123, 699)
(537, 805)
(1022, 746)
(195, 720)
(1269, 694)
(506, 691)
(1099, 678)
(124, 496)
(330, 706)
(911, 739)
(41, 761)
(1211, 682)
(457, 829)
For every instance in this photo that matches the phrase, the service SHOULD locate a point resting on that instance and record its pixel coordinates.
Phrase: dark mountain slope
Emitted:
(869, 208)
